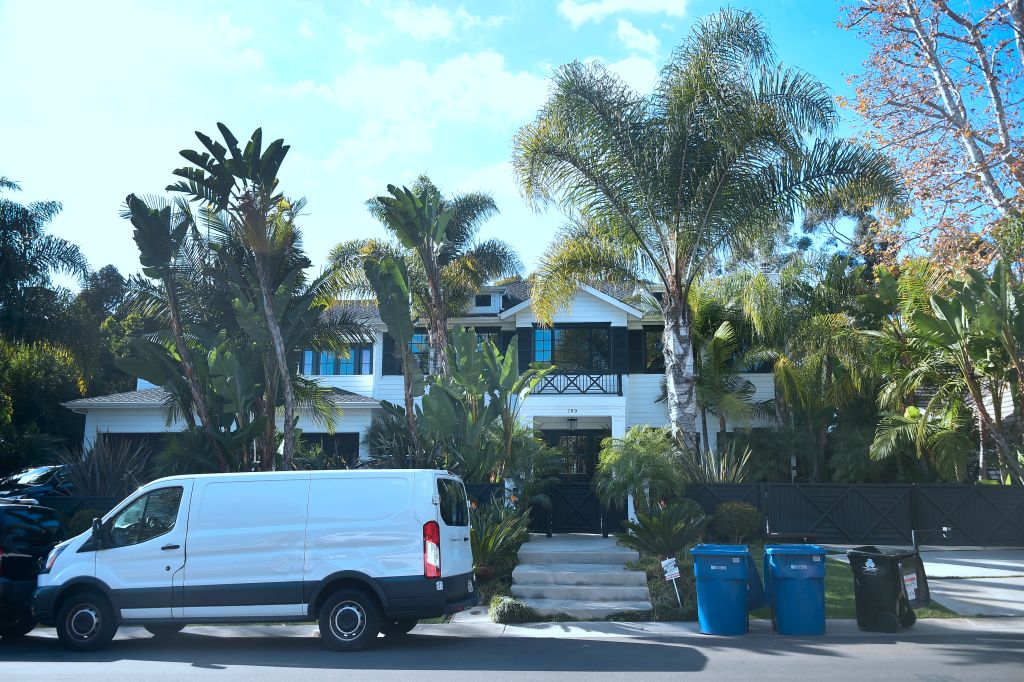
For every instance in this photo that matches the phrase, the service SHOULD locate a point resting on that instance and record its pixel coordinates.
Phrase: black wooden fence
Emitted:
(880, 514)
(839, 514)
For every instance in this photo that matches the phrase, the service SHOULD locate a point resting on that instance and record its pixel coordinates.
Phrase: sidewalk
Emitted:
(932, 627)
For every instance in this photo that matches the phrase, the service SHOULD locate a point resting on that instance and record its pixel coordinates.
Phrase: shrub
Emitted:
(81, 521)
(509, 610)
(487, 590)
(645, 463)
(667, 531)
(736, 522)
(663, 595)
(111, 467)
(496, 534)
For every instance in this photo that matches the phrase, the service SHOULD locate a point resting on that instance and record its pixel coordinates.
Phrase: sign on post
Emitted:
(672, 573)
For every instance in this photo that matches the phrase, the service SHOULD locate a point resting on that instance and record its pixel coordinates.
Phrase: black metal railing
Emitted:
(579, 384)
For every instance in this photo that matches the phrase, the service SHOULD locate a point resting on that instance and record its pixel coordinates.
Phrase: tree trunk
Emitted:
(678, 352)
(408, 367)
(437, 316)
(281, 357)
(1008, 458)
(704, 431)
(198, 401)
(720, 438)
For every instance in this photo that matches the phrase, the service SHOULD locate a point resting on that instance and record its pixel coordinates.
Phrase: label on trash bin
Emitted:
(910, 583)
(670, 569)
(798, 567)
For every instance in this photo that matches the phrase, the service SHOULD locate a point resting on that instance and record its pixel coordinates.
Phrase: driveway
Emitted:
(975, 581)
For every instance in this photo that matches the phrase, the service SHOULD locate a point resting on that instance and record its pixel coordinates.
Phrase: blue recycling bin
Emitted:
(794, 580)
(728, 586)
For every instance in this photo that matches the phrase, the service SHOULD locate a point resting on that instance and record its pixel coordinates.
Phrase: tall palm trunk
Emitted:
(678, 352)
(191, 377)
(281, 356)
(437, 318)
(704, 432)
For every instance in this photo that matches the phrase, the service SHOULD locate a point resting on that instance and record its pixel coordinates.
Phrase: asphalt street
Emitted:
(285, 653)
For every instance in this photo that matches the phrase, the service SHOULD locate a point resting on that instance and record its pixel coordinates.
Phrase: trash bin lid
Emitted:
(871, 550)
(721, 550)
(793, 549)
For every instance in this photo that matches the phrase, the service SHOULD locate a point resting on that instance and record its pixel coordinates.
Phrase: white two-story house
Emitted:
(609, 377)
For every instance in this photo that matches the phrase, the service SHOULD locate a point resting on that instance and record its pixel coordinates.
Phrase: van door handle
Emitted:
(171, 547)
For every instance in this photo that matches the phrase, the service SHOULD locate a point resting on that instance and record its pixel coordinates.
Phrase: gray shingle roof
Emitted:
(142, 397)
(154, 397)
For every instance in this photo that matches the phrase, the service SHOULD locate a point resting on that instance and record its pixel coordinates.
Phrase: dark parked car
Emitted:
(27, 534)
(36, 482)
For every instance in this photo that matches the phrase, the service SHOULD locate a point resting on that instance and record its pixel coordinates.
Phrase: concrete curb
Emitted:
(932, 627)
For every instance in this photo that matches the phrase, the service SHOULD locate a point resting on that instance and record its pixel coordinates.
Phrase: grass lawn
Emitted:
(839, 599)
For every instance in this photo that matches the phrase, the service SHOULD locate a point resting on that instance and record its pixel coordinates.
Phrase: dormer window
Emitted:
(482, 301)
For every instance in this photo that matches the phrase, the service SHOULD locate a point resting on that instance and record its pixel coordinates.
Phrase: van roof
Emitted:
(333, 473)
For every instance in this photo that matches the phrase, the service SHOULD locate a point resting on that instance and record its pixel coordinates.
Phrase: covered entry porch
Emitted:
(575, 507)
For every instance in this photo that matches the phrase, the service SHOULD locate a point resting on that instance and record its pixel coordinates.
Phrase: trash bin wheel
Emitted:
(908, 618)
(888, 622)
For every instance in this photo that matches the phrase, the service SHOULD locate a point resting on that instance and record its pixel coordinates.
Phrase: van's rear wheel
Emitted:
(397, 628)
(165, 629)
(85, 622)
(350, 620)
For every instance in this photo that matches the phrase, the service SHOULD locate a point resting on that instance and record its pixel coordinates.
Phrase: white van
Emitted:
(362, 552)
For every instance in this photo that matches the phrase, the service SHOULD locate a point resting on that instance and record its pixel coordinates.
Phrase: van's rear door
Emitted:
(453, 519)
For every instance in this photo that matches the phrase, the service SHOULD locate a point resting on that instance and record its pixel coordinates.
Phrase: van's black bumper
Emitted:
(43, 601)
(419, 597)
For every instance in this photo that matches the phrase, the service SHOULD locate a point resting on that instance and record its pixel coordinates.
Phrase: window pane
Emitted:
(600, 346)
(542, 340)
(307, 362)
(347, 363)
(419, 346)
(366, 363)
(452, 501)
(151, 515)
(654, 360)
(327, 363)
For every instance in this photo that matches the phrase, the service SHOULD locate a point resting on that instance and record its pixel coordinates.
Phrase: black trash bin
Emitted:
(888, 583)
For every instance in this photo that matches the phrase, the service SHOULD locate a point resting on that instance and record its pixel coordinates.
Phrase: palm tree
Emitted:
(658, 187)
(29, 305)
(244, 185)
(436, 238)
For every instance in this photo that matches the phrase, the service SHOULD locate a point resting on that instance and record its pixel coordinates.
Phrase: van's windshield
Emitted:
(453, 503)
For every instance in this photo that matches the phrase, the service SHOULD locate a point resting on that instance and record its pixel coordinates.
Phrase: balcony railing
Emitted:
(579, 384)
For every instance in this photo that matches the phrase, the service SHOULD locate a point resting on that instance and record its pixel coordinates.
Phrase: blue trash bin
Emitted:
(722, 573)
(794, 580)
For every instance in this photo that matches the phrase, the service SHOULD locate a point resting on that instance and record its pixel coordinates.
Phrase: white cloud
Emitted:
(579, 12)
(429, 23)
(640, 73)
(306, 29)
(357, 42)
(636, 39)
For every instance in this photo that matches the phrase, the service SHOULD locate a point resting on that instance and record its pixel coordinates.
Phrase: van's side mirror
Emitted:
(97, 533)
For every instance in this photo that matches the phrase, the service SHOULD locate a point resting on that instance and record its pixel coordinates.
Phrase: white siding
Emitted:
(584, 308)
(642, 391)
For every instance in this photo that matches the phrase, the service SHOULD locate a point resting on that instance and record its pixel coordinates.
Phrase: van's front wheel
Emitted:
(350, 620)
(85, 622)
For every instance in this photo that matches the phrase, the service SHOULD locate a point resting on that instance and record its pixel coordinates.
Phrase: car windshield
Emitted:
(28, 476)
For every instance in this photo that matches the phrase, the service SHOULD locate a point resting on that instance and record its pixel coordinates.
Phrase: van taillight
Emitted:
(431, 550)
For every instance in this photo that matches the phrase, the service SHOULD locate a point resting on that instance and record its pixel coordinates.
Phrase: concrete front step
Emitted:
(577, 574)
(585, 610)
(574, 549)
(583, 593)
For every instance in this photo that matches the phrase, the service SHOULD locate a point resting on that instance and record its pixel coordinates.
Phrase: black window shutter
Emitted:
(636, 351)
(525, 346)
(620, 350)
(389, 364)
(506, 338)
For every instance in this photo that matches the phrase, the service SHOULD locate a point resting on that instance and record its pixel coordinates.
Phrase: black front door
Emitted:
(574, 504)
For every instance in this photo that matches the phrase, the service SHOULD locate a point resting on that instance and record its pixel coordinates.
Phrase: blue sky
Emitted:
(99, 97)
